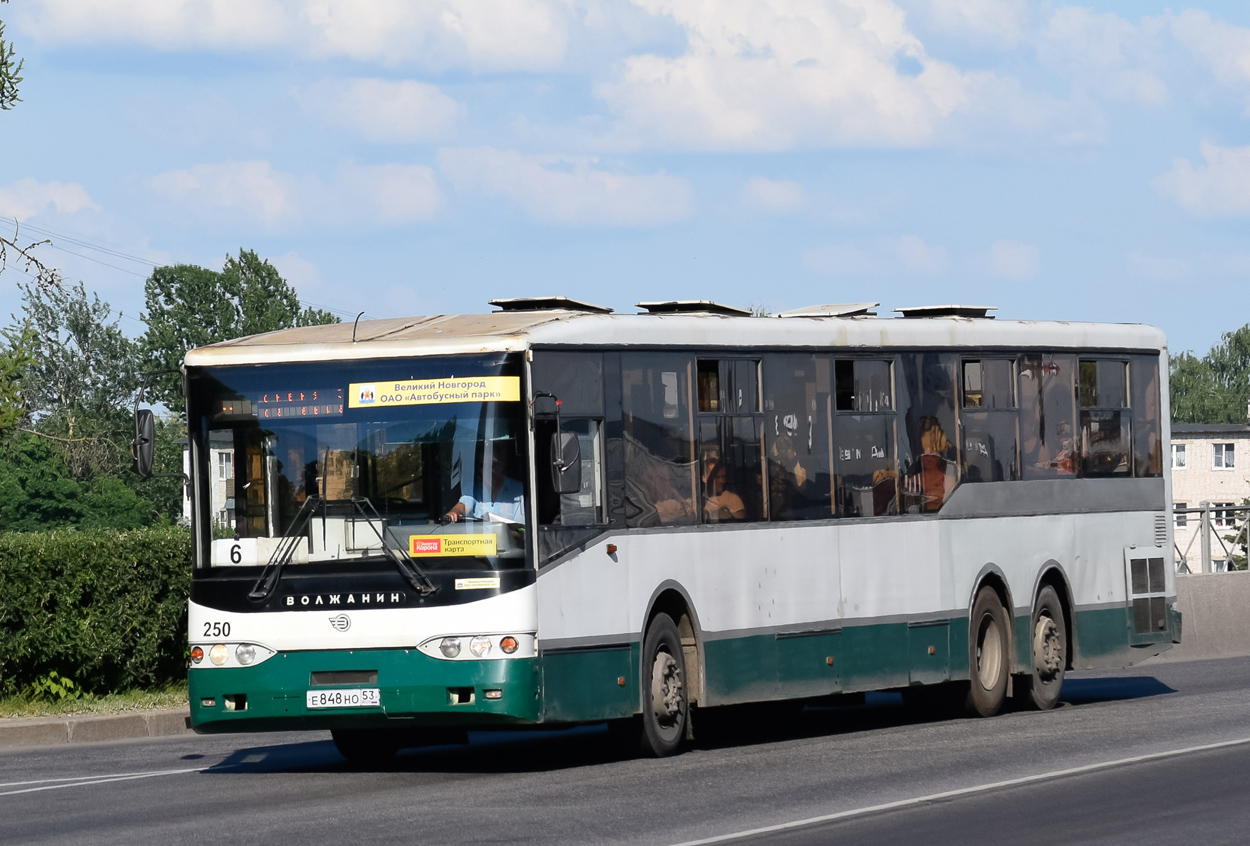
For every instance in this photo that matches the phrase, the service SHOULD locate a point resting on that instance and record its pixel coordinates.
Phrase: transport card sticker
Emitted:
(464, 545)
(434, 391)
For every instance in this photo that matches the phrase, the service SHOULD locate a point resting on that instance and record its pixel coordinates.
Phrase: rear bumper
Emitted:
(415, 691)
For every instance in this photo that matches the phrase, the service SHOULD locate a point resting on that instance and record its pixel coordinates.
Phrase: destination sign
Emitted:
(434, 391)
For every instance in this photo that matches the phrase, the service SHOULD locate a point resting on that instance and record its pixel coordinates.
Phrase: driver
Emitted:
(503, 497)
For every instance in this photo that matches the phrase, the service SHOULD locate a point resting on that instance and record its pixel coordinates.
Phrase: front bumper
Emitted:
(415, 691)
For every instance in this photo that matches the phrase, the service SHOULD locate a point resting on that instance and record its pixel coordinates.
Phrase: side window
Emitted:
(1222, 457)
(864, 435)
(586, 507)
(927, 455)
(1106, 421)
(658, 408)
(1146, 400)
(731, 447)
(798, 435)
(1047, 416)
(990, 426)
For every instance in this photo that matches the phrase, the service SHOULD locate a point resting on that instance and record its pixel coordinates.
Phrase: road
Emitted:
(1153, 755)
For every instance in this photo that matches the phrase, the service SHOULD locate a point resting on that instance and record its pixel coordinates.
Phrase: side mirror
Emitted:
(143, 447)
(566, 463)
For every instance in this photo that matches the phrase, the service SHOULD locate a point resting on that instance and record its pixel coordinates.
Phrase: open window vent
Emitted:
(692, 307)
(834, 310)
(549, 304)
(948, 311)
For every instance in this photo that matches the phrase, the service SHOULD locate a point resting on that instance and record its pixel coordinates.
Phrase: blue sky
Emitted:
(1082, 162)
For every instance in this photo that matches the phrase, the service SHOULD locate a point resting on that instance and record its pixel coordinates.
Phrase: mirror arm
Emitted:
(558, 461)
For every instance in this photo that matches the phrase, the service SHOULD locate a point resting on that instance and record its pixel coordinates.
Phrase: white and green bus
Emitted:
(552, 514)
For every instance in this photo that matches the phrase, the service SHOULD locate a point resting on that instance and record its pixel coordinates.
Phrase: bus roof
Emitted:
(503, 331)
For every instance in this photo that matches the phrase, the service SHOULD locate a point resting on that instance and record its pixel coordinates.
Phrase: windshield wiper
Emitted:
(399, 557)
(265, 586)
(263, 590)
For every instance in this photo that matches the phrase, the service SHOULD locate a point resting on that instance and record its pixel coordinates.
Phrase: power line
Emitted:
(38, 230)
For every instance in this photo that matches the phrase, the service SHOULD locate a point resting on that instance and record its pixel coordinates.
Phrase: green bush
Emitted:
(104, 608)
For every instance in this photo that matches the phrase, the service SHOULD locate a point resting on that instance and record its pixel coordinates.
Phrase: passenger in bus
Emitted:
(937, 467)
(792, 490)
(505, 500)
(1044, 460)
(719, 504)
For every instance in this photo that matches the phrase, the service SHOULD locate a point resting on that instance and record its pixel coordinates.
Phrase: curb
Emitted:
(87, 728)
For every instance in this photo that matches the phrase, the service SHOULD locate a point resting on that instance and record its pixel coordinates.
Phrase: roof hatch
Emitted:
(948, 311)
(549, 304)
(833, 310)
(692, 307)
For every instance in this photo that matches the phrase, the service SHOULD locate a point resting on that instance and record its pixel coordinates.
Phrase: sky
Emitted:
(1072, 162)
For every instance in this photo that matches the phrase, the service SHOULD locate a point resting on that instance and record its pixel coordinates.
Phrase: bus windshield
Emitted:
(425, 456)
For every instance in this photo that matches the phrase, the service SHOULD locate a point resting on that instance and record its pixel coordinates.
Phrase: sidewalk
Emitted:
(92, 728)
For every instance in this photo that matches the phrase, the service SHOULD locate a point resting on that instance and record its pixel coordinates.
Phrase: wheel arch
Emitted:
(671, 598)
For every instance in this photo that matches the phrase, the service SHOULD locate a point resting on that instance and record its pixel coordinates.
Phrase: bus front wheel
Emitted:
(666, 704)
(990, 656)
(1049, 648)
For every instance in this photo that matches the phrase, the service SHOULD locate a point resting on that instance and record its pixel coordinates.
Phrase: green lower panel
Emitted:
(877, 657)
(928, 646)
(809, 663)
(741, 669)
(1104, 638)
(590, 684)
(416, 690)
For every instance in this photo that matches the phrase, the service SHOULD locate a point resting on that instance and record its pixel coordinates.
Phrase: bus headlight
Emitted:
(450, 646)
(480, 645)
(245, 653)
(218, 654)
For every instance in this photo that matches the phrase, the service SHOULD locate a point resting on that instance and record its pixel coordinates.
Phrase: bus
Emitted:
(552, 514)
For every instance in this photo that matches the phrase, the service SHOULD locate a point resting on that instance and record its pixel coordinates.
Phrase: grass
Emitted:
(171, 696)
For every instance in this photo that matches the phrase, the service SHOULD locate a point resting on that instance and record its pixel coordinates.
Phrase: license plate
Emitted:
(366, 698)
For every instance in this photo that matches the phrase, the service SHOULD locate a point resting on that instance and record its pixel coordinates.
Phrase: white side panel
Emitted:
(396, 628)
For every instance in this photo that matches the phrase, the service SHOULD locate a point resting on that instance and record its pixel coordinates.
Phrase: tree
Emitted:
(10, 73)
(1216, 387)
(189, 307)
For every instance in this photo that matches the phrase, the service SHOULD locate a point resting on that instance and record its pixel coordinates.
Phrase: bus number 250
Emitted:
(216, 630)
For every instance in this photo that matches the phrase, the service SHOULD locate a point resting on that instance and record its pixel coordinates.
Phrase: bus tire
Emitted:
(1048, 645)
(989, 659)
(366, 746)
(665, 699)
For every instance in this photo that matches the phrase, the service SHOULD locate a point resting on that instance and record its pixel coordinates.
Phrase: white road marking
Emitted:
(963, 791)
(82, 781)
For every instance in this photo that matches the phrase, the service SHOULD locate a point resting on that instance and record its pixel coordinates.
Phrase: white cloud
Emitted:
(380, 110)
(1105, 53)
(920, 257)
(838, 260)
(774, 197)
(253, 188)
(1201, 266)
(386, 194)
(989, 23)
(1011, 260)
(1220, 188)
(502, 34)
(568, 190)
(1224, 47)
(26, 198)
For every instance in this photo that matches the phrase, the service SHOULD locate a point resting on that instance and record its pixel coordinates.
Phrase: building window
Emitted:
(1222, 456)
(1182, 519)
(1178, 456)
(225, 465)
(1222, 514)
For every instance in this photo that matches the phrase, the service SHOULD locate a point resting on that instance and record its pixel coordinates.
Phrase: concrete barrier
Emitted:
(1216, 617)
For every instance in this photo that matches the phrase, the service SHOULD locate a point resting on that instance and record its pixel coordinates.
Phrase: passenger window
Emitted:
(798, 436)
(1106, 421)
(1145, 393)
(731, 446)
(864, 437)
(657, 404)
(989, 424)
(1047, 416)
(586, 507)
(928, 394)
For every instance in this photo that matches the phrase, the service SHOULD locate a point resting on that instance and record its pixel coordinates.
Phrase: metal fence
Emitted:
(1218, 532)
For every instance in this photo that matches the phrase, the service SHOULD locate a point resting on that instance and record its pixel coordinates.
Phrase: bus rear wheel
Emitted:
(666, 704)
(989, 658)
(1049, 648)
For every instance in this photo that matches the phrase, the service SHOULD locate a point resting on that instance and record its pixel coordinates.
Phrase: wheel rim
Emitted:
(1047, 649)
(666, 689)
(989, 653)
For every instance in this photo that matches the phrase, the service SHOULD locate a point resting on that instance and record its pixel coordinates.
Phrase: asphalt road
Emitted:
(1152, 755)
